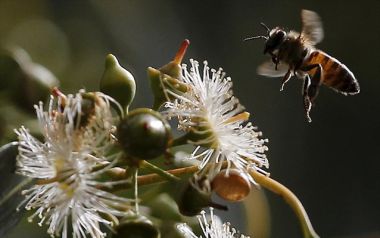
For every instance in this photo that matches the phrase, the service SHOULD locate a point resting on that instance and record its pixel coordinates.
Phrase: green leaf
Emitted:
(10, 186)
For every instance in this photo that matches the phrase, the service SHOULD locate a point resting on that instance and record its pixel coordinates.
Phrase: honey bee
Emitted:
(294, 54)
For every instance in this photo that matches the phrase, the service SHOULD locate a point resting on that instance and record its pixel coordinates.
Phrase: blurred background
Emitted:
(332, 164)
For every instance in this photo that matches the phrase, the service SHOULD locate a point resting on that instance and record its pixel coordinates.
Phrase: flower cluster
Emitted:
(84, 155)
(77, 135)
(211, 227)
(216, 123)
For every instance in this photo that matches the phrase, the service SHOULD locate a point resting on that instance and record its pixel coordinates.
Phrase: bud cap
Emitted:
(117, 82)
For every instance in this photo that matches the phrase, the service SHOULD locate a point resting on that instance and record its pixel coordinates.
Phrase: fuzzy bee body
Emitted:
(292, 51)
(294, 54)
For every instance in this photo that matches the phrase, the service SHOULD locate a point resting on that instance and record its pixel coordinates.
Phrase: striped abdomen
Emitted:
(335, 74)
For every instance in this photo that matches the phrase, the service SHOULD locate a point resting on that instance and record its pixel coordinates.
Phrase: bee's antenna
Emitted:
(265, 26)
(260, 37)
(256, 37)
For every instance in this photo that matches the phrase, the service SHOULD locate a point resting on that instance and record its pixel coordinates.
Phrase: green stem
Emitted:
(159, 171)
(290, 198)
(147, 179)
(136, 190)
(154, 178)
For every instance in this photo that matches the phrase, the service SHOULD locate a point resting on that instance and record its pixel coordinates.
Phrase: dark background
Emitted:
(332, 164)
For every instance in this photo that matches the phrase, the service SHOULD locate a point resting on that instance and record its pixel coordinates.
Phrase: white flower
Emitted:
(77, 134)
(211, 227)
(218, 122)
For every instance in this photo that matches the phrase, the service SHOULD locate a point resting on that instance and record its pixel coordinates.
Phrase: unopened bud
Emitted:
(164, 207)
(117, 82)
(137, 226)
(144, 134)
(168, 78)
(173, 68)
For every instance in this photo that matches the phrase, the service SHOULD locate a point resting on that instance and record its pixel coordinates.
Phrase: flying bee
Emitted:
(294, 54)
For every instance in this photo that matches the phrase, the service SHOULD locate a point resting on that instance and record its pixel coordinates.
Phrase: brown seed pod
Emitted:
(232, 186)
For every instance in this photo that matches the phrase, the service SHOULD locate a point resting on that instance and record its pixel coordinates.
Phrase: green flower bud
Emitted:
(164, 207)
(144, 134)
(195, 198)
(118, 82)
(136, 227)
(173, 68)
(167, 78)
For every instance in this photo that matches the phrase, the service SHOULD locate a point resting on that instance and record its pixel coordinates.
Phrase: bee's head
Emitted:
(273, 39)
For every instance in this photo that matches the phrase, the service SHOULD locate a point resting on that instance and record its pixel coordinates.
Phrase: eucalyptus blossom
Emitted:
(216, 122)
(77, 131)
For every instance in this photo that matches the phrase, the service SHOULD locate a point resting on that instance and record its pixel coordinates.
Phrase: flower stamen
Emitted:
(244, 116)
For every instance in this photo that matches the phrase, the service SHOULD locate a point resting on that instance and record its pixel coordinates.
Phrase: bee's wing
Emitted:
(268, 69)
(312, 28)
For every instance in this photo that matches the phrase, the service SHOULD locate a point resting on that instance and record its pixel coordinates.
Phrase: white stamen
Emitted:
(64, 165)
(210, 110)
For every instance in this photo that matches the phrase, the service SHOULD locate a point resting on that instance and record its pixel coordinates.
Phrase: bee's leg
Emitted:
(306, 99)
(274, 60)
(315, 82)
(285, 79)
(311, 87)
